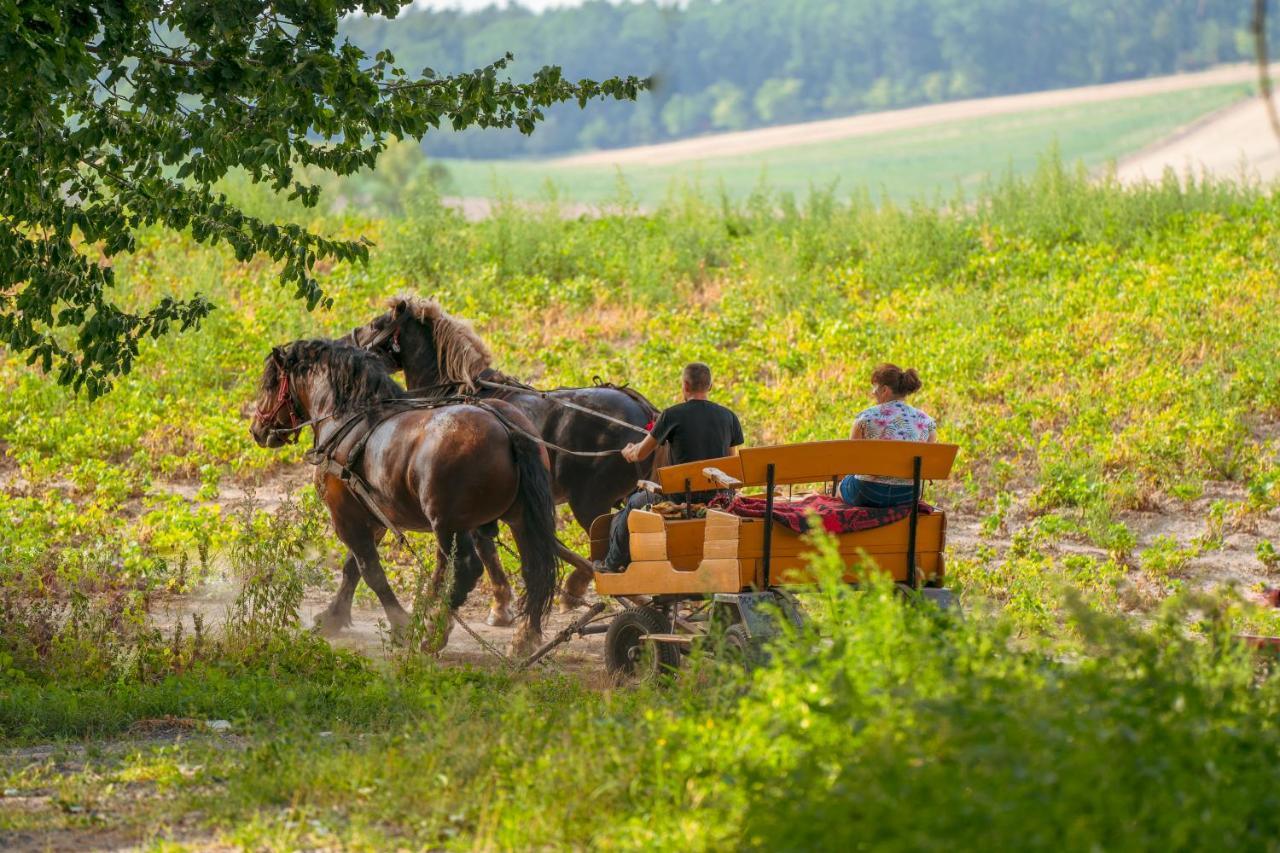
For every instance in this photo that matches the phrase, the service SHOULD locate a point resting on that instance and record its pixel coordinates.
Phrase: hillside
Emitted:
(741, 64)
(901, 155)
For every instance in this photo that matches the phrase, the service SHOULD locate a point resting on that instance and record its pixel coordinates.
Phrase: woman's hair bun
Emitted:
(900, 382)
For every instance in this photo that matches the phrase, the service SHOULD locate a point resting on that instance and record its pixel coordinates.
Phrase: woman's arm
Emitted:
(857, 431)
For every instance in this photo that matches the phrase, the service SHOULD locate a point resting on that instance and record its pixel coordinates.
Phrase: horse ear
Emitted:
(277, 355)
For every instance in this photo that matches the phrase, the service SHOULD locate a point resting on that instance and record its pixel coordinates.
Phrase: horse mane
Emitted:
(461, 354)
(357, 378)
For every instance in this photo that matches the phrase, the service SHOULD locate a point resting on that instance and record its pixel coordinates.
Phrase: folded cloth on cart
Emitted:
(671, 509)
(835, 515)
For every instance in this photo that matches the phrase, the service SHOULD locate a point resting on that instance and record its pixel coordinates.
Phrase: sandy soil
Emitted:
(763, 139)
(368, 632)
(1235, 142)
(476, 208)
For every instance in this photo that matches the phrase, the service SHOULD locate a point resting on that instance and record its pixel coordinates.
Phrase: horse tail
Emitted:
(538, 559)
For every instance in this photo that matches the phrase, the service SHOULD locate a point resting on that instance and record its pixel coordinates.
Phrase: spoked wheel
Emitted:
(739, 648)
(627, 655)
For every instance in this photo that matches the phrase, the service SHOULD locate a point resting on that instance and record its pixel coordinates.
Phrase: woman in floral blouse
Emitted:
(892, 419)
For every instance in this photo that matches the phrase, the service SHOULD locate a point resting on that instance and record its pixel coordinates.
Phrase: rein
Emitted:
(392, 331)
(546, 395)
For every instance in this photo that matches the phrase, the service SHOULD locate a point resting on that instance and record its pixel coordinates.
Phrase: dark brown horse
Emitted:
(441, 354)
(452, 469)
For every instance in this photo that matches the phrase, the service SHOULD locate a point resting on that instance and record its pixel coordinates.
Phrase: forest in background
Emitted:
(737, 64)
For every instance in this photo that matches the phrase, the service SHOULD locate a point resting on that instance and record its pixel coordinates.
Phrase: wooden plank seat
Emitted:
(726, 553)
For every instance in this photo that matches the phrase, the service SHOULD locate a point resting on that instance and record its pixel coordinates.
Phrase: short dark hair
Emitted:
(697, 376)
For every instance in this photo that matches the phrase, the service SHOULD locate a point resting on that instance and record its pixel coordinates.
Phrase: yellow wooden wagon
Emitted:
(693, 572)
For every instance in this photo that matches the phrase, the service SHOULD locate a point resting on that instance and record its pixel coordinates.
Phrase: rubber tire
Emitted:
(622, 642)
(738, 646)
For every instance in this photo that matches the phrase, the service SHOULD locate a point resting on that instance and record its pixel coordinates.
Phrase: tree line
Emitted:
(722, 65)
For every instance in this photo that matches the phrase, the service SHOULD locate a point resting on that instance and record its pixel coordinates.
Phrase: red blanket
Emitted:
(836, 515)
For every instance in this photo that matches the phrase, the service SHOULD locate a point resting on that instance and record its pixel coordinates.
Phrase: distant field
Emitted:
(919, 162)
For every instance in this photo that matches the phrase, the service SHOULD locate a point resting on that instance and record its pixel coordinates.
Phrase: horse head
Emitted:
(276, 417)
(308, 381)
(381, 337)
(433, 347)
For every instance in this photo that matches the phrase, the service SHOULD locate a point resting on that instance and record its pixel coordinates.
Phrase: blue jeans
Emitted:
(619, 554)
(618, 557)
(857, 492)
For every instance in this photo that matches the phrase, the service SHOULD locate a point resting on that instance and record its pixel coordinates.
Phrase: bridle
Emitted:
(391, 330)
(284, 394)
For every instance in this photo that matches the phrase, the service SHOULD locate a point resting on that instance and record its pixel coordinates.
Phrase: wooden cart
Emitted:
(732, 571)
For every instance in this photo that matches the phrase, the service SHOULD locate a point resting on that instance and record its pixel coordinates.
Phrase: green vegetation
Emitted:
(909, 730)
(902, 165)
(724, 65)
(1096, 351)
(121, 116)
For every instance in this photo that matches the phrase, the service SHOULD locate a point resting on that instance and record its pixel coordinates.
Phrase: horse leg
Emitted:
(335, 617)
(528, 636)
(586, 508)
(575, 586)
(501, 612)
(363, 543)
(467, 569)
(456, 560)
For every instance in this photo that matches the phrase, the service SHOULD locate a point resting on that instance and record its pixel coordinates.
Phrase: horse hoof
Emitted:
(329, 625)
(435, 641)
(500, 617)
(570, 602)
(524, 644)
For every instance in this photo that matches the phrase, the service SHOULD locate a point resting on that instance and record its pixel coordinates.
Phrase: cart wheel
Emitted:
(740, 648)
(626, 655)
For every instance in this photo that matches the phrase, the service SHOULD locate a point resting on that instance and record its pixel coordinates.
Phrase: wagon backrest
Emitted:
(672, 478)
(815, 462)
(819, 461)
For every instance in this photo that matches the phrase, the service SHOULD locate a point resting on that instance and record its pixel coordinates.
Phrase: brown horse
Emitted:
(441, 354)
(452, 469)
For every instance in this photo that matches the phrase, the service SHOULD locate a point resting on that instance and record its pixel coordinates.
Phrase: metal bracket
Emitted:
(758, 611)
(944, 598)
(768, 525)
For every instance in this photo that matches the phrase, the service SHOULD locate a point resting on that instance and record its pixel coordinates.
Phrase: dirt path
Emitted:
(368, 632)
(1235, 563)
(1235, 142)
(764, 139)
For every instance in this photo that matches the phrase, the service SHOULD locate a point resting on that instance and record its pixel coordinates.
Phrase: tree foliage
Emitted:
(119, 115)
(791, 60)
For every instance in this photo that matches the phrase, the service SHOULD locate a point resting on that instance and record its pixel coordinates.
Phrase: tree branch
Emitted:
(1264, 70)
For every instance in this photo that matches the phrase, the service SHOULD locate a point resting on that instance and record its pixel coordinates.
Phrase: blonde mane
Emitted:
(461, 354)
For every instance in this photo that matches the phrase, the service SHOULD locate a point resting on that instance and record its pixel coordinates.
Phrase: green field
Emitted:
(919, 163)
(1105, 357)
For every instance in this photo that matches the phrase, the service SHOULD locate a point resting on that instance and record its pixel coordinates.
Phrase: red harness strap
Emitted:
(282, 397)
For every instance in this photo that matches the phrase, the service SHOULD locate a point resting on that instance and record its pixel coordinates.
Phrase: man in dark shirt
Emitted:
(696, 429)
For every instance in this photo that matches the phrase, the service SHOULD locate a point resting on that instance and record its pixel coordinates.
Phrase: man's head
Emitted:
(697, 380)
